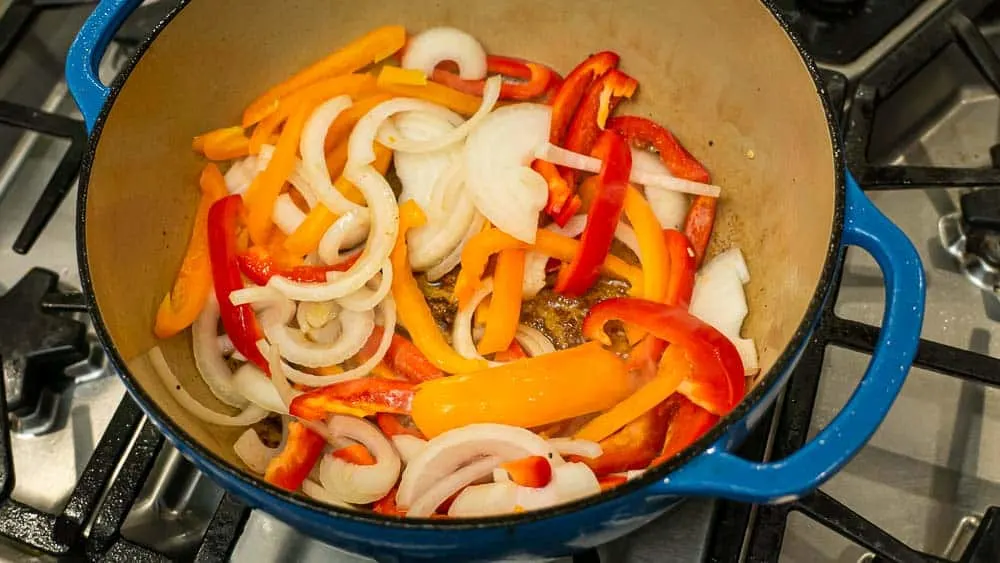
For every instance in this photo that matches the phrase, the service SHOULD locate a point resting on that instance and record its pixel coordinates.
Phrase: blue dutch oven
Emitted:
(726, 76)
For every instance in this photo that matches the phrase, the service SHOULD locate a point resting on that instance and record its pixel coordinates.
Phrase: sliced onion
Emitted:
(315, 314)
(533, 341)
(248, 416)
(315, 491)
(461, 333)
(441, 489)
(570, 481)
(286, 215)
(491, 93)
(384, 227)
(347, 231)
(225, 343)
(258, 388)
(449, 262)
(535, 262)
(498, 176)
(255, 295)
(500, 475)
(241, 174)
(208, 355)
(575, 480)
(252, 452)
(388, 311)
(445, 230)
(278, 379)
(563, 157)
(719, 300)
(420, 173)
(409, 447)
(438, 44)
(327, 334)
(360, 484)
(453, 449)
(311, 147)
(356, 327)
(361, 143)
(366, 299)
(572, 446)
(670, 207)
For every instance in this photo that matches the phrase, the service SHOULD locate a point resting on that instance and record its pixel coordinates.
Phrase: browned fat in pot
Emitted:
(722, 75)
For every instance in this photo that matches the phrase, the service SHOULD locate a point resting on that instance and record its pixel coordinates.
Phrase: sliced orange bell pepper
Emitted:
(222, 144)
(266, 187)
(372, 47)
(505, 306)
(674, 368)
(478, 250)
(432, 92)
(351, 85)
(527, 393)
(186, 299)
(308, 235)
(411, 306)
(292, 465)
(655, 261)
(356, 454)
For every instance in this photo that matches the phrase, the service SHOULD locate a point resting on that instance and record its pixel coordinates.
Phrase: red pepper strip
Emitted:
(403, 357)
(512, 353)
(608, 482)
(239, 321)
(717, 383)
(356, 454)
(687, 423)
(632, 447)
(532, 471)
(559, 191)
(289, 469)
(536, 78)
(698, 224)
(391, 425)
(387, 505)
(571, 91)
(258, 265)
(371, 393)
(680, 282)
(600, 100)
(602, 219)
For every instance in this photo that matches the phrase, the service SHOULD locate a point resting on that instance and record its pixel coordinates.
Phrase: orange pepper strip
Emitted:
(373, 47)
(266, 187)
(341, 127)
(652, 246)
(306, 238)
(528, 393)
(414, 313)
(356, 454)
(478, 250)
(505, 306)
(315, 94)
(181, 306)
(336, 159)
(432, 92)
(222, 144)
(674, 368)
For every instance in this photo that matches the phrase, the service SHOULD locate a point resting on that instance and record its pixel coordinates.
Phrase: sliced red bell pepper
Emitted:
(698, 224)
(292, 465)
(601, 98)
(513, 352)
(602, 219)
(717, 383)
(387, 505)
(632, 447)
(403, 357)
(357, 454)
(608, 482)
(370, 393)
(391, 425)
(573, 88)
(532, 471)
(680, 282)
(533, 78)
(688, 423)
(240, 321)
(258, 265)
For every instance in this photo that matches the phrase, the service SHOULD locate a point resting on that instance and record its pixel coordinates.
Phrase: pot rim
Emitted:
(232, 477)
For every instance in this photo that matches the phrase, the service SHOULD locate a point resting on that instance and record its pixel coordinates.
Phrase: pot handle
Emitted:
(84, 57)
(719, 473)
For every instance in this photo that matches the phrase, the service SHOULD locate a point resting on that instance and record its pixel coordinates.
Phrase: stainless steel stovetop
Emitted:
(931, 470)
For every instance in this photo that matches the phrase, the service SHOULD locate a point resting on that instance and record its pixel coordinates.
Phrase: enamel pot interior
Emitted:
(724, 76)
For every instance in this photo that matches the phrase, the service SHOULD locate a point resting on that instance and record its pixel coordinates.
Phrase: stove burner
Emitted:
(37, 347)
(972, 236)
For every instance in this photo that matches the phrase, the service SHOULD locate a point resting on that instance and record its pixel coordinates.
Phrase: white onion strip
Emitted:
(356, 327)
(286, 215)
(252, 452)
(347, 231)
(318, 492)
(311, 146)
(533, 341)
(438, 44)
(360, 484)
(361, 143)
(491, 94)
(278, 379)
(208, 355)
(366, 299)
(452, 259)
(384, 228)
(451, 484)
(571, 446)
(409, 447)
(258, 389)
(563, 157)
(535, 262)
(461, 333)
(248, 416)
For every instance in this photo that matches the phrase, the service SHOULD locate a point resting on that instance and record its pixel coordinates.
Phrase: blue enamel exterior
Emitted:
(714, 472)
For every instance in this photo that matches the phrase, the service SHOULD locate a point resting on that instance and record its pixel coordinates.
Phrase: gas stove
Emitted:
(83, 474)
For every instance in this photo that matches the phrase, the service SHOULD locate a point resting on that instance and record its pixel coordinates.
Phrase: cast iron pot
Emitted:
(725, 76)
